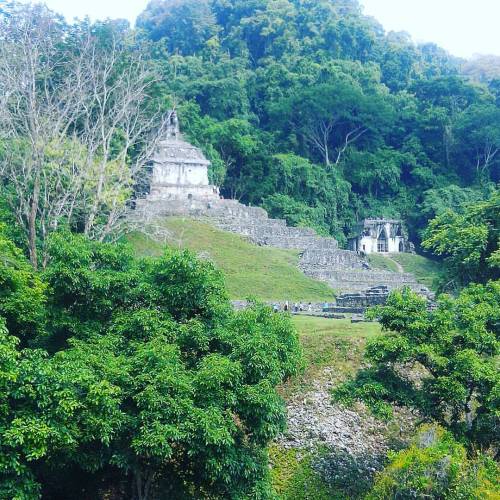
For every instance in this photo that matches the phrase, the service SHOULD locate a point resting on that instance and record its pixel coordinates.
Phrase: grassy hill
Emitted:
(329, 342)
(250, 270)
(426, 271)
(380, 261)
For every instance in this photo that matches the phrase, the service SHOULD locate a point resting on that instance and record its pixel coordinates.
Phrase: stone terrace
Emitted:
(345, 271)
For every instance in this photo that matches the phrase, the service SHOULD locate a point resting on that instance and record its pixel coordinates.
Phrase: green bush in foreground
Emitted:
(436, 466)
(144, 383)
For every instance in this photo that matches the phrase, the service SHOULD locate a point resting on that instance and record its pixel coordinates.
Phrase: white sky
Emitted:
(463, 27)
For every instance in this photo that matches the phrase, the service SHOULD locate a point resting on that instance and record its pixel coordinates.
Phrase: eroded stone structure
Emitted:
(381, 236)
(179, 170)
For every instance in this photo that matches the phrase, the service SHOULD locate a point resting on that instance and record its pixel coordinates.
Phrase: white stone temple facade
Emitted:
(180, 170)
(380, 236)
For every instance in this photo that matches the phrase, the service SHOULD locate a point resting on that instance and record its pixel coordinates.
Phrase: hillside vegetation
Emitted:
(125, 371)
(250, 271)
(308, 108)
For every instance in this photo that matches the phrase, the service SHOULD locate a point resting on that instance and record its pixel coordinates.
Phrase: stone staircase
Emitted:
(345, 271)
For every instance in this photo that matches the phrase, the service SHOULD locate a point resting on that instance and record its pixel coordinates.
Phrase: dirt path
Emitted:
(398, 265)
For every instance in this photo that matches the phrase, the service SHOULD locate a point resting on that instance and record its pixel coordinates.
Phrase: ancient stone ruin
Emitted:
(381, 236)
(359, 302)
(179, 186)
(179, 175)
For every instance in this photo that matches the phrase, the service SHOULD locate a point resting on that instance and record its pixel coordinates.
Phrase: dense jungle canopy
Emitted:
(310, 109)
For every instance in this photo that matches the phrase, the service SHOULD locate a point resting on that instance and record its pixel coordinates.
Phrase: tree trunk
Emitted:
(32, 222)
(143, 484)
(95, 206)
(469, 418)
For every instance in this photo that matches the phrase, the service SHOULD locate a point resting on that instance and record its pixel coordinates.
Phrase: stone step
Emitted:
(292, 242)
(234, 212)
(263, 230)
(352, 287)
(359, 275)
(224, 218)
(320, 259)
(346, 310)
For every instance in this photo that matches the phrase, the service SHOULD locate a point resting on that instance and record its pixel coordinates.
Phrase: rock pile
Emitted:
(353, 439)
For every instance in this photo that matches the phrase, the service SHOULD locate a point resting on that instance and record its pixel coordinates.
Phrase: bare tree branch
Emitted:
(77, 125)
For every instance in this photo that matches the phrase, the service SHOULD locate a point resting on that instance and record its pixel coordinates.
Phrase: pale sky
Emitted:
(463, 27)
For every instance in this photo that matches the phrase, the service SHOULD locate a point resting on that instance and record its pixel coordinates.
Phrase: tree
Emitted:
(185, 25)
(77, 123)
(469, 241)
(145, 384)
(377, 173)
(332, 116)
(456, 345)
(306, 194)
(478, 142)
(22, 296)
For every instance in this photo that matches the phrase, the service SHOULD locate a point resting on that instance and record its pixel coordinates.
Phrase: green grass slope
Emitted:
(250, 270)
(330, 342)
(426, 271)
(380, 261)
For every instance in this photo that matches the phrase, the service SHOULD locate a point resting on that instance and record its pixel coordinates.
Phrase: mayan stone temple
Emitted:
(179, 186)
(381, 236)
(179, 173)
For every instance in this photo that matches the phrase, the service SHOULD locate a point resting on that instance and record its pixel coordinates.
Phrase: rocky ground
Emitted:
(348, 443)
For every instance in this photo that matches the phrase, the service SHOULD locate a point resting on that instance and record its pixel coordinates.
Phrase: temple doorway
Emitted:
(382, 242)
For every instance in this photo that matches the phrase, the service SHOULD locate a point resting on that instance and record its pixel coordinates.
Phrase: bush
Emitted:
(295, 478)
(149, 384)
(436, 466)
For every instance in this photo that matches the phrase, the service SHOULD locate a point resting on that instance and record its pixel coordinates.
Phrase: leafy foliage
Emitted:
(282, 93)
(306, 108)
(436, 466)
(455, 346)
(294, 477)
(469, 241)
(145, 382)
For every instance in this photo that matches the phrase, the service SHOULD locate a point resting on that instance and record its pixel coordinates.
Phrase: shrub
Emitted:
(436, 466)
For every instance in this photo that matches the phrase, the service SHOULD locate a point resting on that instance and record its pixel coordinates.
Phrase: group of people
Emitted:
(299, 307)
(295, 308)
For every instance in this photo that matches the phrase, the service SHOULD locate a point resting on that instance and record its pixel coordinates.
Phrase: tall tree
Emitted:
(77, 123)
(330, 117)
(456, 346)
(469, 241)
(145, 384)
